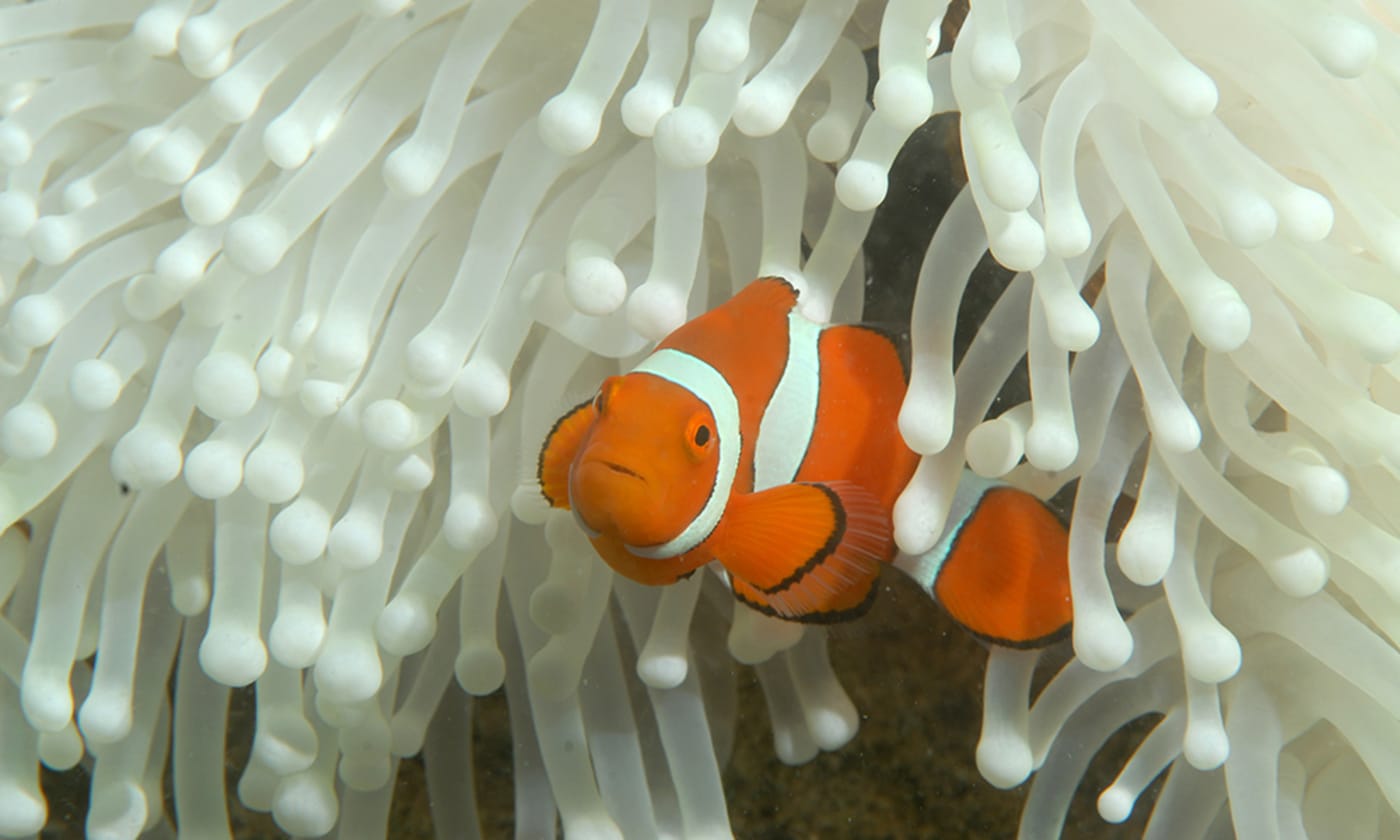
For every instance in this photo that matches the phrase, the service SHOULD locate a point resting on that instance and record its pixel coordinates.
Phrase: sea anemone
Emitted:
(293, 291)
(1225, 174)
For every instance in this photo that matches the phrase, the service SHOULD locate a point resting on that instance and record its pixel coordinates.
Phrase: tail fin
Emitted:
(1005, 576)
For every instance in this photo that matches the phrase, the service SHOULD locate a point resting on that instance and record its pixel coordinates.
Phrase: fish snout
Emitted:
(615, 498)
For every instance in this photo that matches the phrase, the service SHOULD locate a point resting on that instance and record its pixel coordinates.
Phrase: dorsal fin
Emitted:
(770, 291)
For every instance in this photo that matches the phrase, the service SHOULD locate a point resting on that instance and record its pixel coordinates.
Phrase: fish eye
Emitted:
(702, 435)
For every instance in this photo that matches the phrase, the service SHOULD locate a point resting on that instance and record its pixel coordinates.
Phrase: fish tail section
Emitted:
(1006, 573)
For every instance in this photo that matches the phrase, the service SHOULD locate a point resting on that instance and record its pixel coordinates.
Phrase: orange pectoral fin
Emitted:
(644, 570)
(1006, 576)
(560, 447)
(806, 552)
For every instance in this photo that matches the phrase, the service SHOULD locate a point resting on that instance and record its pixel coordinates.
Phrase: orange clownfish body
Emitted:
(755, 438)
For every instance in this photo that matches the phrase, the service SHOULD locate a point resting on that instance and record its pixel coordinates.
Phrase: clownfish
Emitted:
(760, 440)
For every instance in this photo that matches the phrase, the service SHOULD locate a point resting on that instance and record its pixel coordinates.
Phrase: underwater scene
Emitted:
(699, 418)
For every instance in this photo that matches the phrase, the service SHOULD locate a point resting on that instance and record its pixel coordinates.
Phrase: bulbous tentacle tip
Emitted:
(1211, 654)
(299, 532)
(687, 137)
(1103, 643)
(829, 138)
(22, 812)
(595, 286)
(903, 96)
(663, 671)
(273, 472)
(115, 809)
(147, 457)
(18, 212)
(209, 197)
(644, 105)
(723, 44)
(861, 184)
(348, 673)
(190, 596)
(1020, 245)
(1051, 446)
(305, 806)
(1301, 573)
(406, 626)
(296, 638)
(285, 742)
(28, 432)
(1221, 320)
(35, 320)
(1248, 218)
(1205, 747)
(225, 386)
(994, 447)
(793, 747)
(46, 700)
(832, 726)
(1307, 216)
(55, 239)
(157, 30)
(62, 749)
(763, 107)
(214, 469)
(287, 142)
(356, 540)
(256, 244)
(1323, 490)
(996, 62)
(232, 657)
(470, 523)
(1115, 804)
(16, 147)
(529, 504)
(482, 389)
(413, 168)
(1189, 90)
(1004, 761)
(430, 361)
(105, 719)
(569, 123)
(480, 669)
(389, 425)
(656, 309)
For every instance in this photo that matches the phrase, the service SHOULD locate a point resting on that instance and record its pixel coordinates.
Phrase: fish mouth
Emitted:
(618, 468)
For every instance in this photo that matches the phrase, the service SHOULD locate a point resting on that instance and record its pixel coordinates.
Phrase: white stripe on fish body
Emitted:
(924, 568)
(710, 387)
(789, 419)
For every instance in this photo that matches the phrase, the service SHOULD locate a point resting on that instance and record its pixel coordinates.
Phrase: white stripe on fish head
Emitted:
(711, 388)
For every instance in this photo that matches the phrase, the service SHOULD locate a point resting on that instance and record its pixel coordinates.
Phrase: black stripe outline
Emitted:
(820, 555)
(821, 616)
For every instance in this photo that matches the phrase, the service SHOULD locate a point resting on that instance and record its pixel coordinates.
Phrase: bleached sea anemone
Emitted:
(293, 290)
